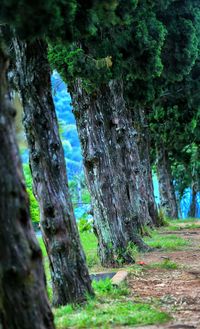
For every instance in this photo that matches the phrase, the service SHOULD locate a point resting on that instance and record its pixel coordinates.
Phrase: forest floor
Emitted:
(163, 286)
(172, 280)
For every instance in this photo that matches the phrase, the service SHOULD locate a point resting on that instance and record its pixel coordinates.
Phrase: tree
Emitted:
(128, 49)
(111, 164)
(70, 278)
(23, 297)
(166, 186)
(179, 56)
(61, 21)
(141, 124)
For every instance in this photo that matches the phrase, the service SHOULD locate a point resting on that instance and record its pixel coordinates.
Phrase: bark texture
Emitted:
(112, 169)
(23, 299)
(193, 205)
(70, 277)
(166, 188)
(141, 125)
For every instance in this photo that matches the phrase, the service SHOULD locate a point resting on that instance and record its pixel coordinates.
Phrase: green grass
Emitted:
(166, 242)
(108, 309)
(174, 225)
(165, 264)
(42, 246)
(104, 288)
(89, 243)
(192, 226)
(185, 220)
(111, 305)
(96, 315)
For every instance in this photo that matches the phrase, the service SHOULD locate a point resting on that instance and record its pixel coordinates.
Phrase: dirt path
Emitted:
(176, 291)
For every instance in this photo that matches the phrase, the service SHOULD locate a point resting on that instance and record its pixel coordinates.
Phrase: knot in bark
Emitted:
(36, 156)
(92, 159)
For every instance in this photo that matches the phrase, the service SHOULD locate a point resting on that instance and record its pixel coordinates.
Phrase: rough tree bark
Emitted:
(166, 188)
(23, 298)
(112, 169)
(70, 277)
(141, 125)
(193, 206)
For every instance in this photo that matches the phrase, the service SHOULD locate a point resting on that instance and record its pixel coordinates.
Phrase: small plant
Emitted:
(105, 288)
(102, 286)
(162, 220)
(132, 250)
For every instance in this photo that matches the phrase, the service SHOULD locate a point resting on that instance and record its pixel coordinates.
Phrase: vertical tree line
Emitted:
(132, 94)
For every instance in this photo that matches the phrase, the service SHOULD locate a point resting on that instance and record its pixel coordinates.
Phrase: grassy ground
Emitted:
(165, 242)
(109, 308)
(113, 306)
(177, 225)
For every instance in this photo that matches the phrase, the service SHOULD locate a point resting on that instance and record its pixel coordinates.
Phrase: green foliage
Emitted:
(65, 20)
(32, 20)
(131, 46)
(174, 120)
(72, 62)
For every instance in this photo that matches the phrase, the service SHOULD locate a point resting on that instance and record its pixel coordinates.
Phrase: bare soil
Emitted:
(176, 291)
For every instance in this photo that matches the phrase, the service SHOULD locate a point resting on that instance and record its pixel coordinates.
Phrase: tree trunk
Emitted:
(70, 277)
(166, 188)
(23, 298)
(141, 125)
(112, 169)
(193, 206)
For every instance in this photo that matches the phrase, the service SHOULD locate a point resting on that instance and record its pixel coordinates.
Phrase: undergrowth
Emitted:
(108, 309)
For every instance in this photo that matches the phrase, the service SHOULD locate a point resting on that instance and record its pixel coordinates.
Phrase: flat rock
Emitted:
(119, 277)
